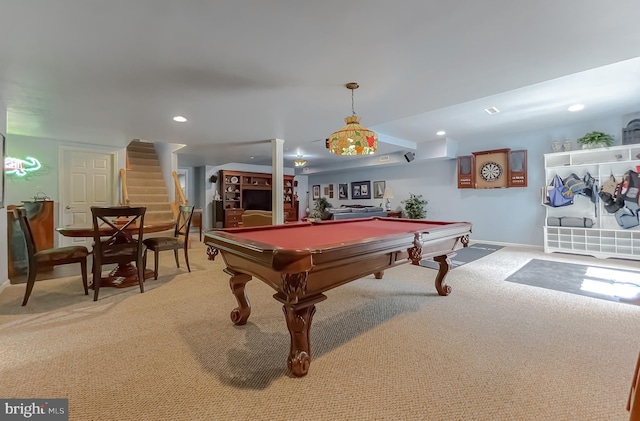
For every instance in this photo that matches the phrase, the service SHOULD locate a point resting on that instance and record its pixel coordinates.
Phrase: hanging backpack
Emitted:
(574, 183)
(591, 187)
(558, 194)
(608, 195)
(626, 218)
(629, 188)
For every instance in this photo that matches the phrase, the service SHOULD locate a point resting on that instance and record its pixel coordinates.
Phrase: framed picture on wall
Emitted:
(4, 154)
(378, 189)
(343, 191)
(361, 190)
(316, 192)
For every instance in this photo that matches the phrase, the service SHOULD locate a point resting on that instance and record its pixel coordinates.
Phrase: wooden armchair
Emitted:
(180, 240)
(121, 246)
(40, 259)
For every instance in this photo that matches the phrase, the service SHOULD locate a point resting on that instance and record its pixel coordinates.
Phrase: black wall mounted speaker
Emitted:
(213, 178)
(409, 156)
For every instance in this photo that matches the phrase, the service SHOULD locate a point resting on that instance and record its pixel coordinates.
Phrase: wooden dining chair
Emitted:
(48, 258)
(123, 243)
(180, 240)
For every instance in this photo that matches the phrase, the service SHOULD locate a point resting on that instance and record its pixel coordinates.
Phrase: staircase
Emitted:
(145, 184)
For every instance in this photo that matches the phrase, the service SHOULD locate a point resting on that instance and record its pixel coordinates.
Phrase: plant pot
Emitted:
(592, 145)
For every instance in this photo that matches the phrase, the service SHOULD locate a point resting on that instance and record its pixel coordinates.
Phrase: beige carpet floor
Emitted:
(389, 349)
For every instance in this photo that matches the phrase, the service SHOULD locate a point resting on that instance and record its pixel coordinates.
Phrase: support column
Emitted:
(277, 181)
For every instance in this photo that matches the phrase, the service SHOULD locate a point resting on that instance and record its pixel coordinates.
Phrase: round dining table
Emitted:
(123, 275)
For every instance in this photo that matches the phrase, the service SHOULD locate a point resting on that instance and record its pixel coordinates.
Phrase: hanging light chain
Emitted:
(353, 108)
(353, 86)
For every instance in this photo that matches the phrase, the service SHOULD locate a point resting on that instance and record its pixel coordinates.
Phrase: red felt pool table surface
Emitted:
(326, 234)
(302, 261)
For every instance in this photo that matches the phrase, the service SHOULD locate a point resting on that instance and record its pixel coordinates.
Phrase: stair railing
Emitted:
(180, 198)
(123, 187)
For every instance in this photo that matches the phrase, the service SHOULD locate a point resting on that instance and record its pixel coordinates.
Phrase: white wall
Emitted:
(46, 179)
(168, 161)
(512, 215)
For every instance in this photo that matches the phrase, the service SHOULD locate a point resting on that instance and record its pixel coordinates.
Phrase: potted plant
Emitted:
(414, 206)
(595, 140)
(320, 209)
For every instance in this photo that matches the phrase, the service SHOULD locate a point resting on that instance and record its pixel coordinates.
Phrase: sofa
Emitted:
(256, 218)
(359, 211)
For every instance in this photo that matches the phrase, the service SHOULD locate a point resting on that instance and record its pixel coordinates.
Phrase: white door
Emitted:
(86, 180)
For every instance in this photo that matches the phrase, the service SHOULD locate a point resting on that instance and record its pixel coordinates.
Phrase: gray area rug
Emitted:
(591, 281)
(465, 255)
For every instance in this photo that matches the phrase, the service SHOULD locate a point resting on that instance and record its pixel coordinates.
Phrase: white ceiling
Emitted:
(245, 72)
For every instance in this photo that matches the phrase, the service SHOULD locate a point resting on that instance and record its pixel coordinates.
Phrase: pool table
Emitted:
(301, 261)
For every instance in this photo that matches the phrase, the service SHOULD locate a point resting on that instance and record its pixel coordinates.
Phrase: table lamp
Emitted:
(388, 195)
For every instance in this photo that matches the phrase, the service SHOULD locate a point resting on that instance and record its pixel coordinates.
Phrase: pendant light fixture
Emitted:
(299, 162)
(353, 138)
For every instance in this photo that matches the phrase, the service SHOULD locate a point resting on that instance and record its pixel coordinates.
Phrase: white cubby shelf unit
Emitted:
(605, 238)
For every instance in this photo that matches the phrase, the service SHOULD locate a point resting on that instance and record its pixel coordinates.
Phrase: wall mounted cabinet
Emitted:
(498, 168)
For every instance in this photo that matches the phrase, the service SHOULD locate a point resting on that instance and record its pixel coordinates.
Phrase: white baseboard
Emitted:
(500, 243)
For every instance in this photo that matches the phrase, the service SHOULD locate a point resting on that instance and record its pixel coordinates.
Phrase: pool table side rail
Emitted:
(331, 267)
(228, 238)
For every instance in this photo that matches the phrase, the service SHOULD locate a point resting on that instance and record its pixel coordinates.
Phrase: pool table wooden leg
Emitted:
(212, 252)
(299, 317)
(299, 324)
(237, 282)
(444, 263)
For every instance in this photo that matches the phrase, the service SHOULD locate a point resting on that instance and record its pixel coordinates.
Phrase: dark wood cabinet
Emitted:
(241, 191)
(232, 218)
(498, 168)
(465, 172)
(217, 216)
(518, 168)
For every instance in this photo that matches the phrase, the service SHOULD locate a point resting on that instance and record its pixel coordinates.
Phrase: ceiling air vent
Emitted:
(492, 110)
(384, 158)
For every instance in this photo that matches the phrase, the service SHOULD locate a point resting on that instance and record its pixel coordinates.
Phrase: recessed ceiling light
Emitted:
(576, 107)
(492, 110)
(441, 133)
(179, 119)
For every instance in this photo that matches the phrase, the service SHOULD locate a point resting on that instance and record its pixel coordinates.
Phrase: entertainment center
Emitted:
(240, 191)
